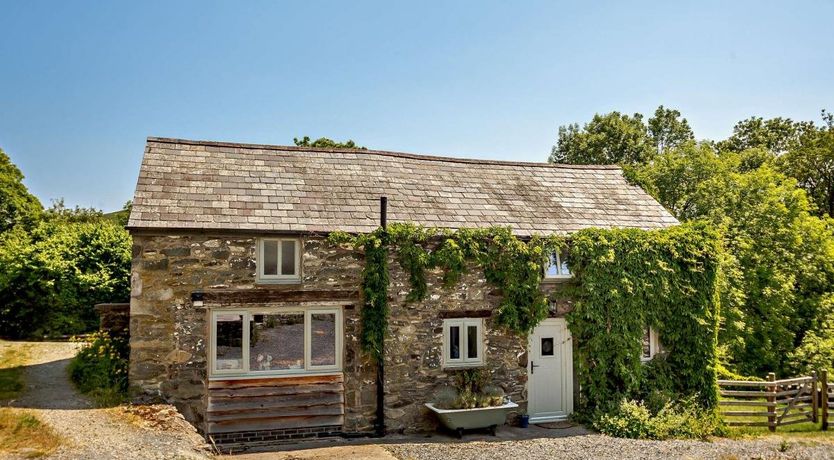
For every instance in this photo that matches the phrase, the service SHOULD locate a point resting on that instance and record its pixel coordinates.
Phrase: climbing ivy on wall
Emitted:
(626, 279)
(509, 263)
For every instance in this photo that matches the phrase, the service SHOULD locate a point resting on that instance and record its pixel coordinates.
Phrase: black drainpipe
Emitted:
(380, 365)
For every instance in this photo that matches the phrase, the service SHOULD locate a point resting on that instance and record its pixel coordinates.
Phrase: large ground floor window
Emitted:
(275, 341)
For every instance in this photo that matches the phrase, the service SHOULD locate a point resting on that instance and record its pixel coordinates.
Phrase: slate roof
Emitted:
(203, 185)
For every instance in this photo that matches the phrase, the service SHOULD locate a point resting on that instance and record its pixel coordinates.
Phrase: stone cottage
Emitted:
(243, 315)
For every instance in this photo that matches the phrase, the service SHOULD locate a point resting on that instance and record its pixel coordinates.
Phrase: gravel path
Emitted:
(596, 446)
(92, 433)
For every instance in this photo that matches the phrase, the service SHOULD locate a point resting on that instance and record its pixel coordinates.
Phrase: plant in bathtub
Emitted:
(472, 404)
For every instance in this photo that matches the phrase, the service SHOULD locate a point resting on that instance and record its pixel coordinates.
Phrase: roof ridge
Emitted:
(414, 156)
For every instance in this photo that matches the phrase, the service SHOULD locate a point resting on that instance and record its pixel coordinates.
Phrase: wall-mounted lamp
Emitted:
(197, 299)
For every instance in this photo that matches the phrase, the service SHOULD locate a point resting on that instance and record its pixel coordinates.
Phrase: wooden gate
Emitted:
(774, 403)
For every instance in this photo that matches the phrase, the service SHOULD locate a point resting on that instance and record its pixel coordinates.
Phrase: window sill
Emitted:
(462, 366)
(268, 282)
(288, 375)
(557, 279)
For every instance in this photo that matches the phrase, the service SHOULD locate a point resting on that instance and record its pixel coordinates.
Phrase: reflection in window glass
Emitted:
(323, 339)
(563, 264)
(277, 342)
(229, 342)
(547, 346)
(472, 341)
(288, 257)
(454, 342)
(270, 262)
(647, 343)
(553, 266)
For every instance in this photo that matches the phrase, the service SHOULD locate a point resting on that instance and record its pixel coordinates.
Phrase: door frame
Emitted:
(567, 374)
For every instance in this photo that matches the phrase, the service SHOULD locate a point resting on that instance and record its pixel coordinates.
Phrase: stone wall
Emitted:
(169, 336)
(414, 371)
(114, 318)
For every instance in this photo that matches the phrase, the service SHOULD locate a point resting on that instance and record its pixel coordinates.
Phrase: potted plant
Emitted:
(471, 404)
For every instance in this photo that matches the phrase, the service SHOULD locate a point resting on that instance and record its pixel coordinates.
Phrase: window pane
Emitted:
(270, 261)
(229, 342)
(277, 343)
(288, 257)
(647, 341)
(472, 342)
(454, 342)
(323, 339)
(564, 269)
(547, 346)
(552, 267)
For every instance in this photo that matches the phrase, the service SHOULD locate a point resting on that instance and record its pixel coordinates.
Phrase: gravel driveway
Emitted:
(596, 446)
(92, 433)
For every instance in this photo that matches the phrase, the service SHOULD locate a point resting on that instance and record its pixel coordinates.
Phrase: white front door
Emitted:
(550, 371)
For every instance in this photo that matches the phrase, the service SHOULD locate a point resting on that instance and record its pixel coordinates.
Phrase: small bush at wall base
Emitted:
(100, 369)
(683, 420)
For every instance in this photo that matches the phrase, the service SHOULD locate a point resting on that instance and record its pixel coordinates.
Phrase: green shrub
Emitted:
(100, 369)
(682, 420)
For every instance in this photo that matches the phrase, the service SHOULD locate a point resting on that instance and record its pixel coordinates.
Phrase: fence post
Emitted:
(824, 387)
(771, 402)
(815, 399)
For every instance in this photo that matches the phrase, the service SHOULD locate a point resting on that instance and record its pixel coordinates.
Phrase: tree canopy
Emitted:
(55, 264)
(324, 142)
(768, 189)
(17, 205)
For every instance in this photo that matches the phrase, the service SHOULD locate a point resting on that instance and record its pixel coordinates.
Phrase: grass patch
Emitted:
(13, 357)
(808, 430)
(24, 434)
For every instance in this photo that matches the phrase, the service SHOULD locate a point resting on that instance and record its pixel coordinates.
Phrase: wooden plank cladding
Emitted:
(275, 403)
(276, 294)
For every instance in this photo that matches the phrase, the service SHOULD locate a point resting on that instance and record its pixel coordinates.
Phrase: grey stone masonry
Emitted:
(169, 336)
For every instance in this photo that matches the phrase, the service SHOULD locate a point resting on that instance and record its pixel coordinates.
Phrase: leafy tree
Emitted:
(59, 212)
(51, 277)
(326, 143)
(17, 205)
(778, 135)
(779, 264)
(667, 129)
(613, 138)
(811, 162)
(675, 176)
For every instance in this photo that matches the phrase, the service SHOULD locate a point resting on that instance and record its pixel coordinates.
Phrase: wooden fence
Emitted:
(774, 403)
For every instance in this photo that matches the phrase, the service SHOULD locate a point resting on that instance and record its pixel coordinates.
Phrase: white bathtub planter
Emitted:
(458, 420)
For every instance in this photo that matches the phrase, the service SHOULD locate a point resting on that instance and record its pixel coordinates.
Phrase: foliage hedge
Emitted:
(626, 279)
(52, 274)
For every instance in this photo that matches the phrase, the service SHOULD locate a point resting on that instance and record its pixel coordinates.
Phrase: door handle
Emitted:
(533, 367)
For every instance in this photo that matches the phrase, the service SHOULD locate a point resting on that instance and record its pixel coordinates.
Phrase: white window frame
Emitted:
(279, 278)
(559, 275)
(248, 313)
(464, 324)
(654, 345)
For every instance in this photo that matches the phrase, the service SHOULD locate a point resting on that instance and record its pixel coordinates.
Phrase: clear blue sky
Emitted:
(83, 84)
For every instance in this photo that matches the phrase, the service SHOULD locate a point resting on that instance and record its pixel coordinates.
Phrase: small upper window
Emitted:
(463, 342)
(279, 259)
(651, 344)
(557, 266)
